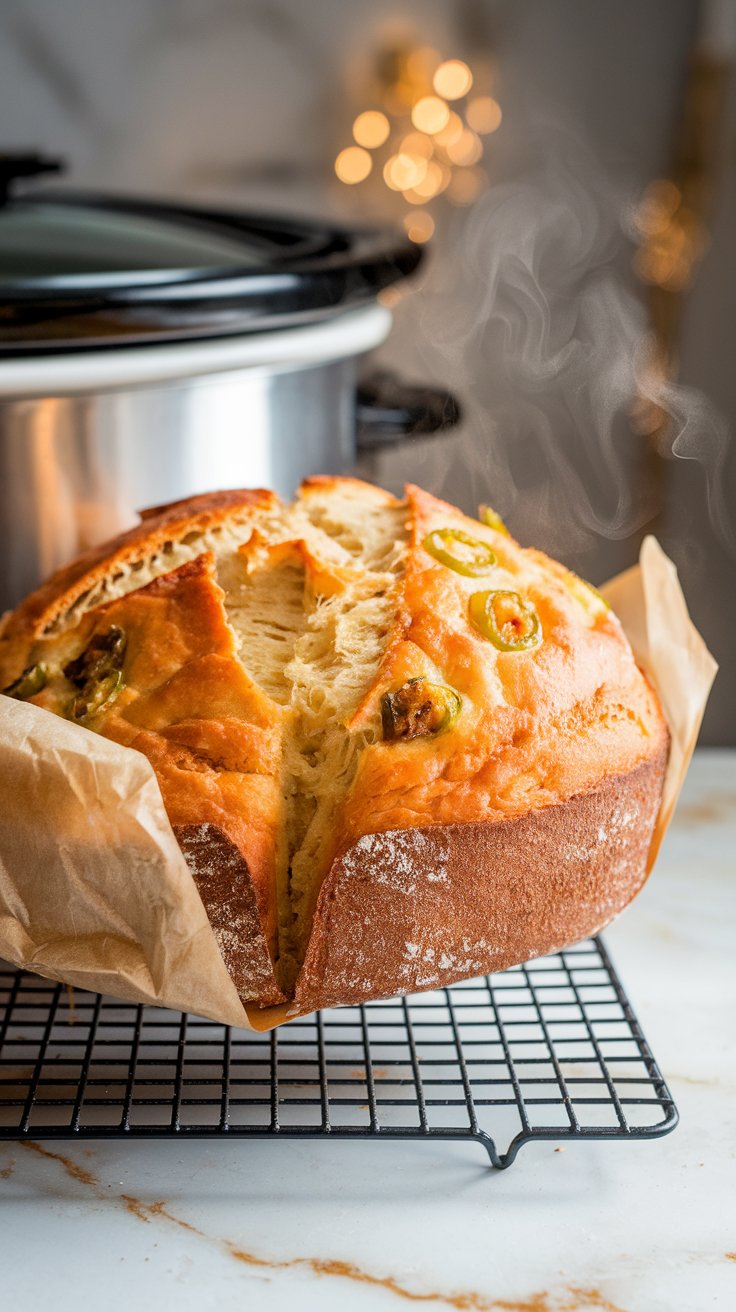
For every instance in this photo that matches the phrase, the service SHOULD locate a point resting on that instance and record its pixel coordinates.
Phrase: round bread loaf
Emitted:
(396, 748)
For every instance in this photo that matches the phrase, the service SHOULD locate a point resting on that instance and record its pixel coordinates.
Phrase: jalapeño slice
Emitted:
(510, 623)
(31, 681)
(457, 550)
(493, 520)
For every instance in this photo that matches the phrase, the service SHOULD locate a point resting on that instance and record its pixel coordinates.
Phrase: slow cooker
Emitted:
(150, 351)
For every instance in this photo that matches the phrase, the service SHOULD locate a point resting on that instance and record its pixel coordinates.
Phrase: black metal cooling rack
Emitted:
(550, 1050)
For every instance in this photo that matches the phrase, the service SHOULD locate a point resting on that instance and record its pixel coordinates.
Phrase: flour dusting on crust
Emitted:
(224, 885)
(398, 859)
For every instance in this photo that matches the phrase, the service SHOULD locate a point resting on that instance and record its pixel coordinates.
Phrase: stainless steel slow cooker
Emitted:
(150, 351)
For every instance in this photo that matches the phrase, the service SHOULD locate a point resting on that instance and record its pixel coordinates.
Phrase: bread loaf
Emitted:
(396, 748)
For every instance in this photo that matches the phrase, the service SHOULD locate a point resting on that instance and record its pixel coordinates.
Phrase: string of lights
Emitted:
(425, 137)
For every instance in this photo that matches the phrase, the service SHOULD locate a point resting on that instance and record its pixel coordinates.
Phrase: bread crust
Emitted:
(159, 526)
(211, 735)
(416, 909)
(226, 888)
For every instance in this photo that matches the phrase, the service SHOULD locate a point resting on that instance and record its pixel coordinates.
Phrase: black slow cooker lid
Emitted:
(81, 270)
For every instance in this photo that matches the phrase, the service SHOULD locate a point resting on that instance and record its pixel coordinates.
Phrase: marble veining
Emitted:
(569, 1299)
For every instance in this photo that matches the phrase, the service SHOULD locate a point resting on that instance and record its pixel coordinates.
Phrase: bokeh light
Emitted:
(434, 181)
(402, 171)
(657, 206)
(453, 129)
(417, 143)
(419, 226)
(430, 114)
(466, 149)
(371, 129)
(453, 79)
(673, 238)
(420, 146)
(353, 164)
(483, 114)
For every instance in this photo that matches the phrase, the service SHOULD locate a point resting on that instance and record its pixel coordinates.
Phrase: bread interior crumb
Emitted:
(316, 653)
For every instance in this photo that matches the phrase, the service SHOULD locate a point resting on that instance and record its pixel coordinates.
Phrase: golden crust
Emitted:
(319, 483)
(535, 730)
(224, 884)
(160, 526)
(420, 908)
(211, 735)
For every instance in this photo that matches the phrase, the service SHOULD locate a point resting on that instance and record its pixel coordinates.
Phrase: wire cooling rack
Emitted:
(549, 1050)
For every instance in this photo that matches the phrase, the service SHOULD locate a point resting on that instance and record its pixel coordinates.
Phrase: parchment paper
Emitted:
(649, 602)
(94, 890)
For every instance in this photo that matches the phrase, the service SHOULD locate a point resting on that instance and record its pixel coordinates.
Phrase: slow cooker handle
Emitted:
(388, 409)
(16, 164)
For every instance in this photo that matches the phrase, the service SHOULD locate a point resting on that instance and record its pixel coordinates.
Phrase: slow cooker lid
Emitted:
(79, 270)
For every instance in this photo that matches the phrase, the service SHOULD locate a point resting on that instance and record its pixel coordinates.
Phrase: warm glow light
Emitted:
(434, 181)
(371, 129)
(664, 193)
(440, 151)
(419, 226)
(484, 114)
(668, 265)
(417, 143)
(466, 186)
(673, 237)
(421, 63)
(657, 206)
(430, 114)
(402, 172)
(390, 296)
(453, 79)
(653, 266)
(455, 127)
(398, 97)
(353, 165)
(466, 150)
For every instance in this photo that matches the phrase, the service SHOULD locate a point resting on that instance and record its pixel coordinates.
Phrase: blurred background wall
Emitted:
(545, 278)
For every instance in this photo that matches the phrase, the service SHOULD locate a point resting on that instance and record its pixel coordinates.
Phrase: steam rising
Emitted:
(532, 320)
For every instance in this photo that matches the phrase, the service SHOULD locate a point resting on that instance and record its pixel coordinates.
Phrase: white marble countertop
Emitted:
(619, 1227)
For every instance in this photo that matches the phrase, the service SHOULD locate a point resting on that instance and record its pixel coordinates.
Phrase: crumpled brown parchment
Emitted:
(94, 889)
(650, 604)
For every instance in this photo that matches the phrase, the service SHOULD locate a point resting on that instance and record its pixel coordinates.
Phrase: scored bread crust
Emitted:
(159, 529)
(404, 911)
(437, 867)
